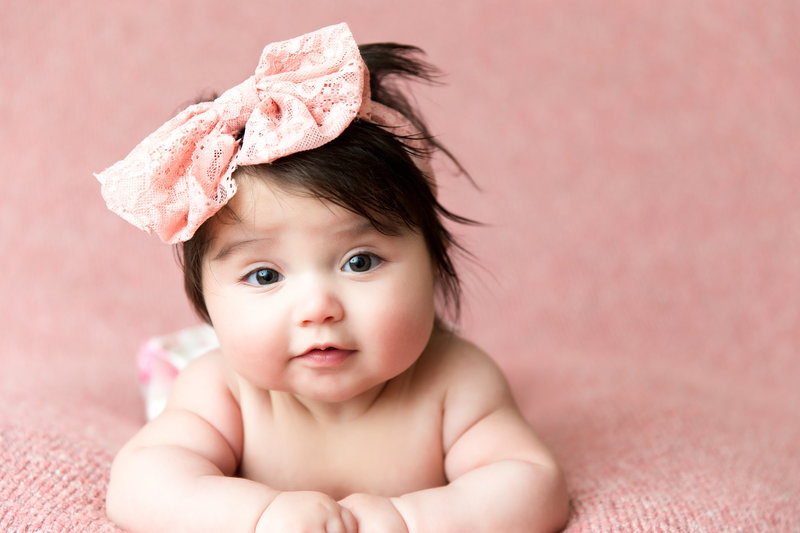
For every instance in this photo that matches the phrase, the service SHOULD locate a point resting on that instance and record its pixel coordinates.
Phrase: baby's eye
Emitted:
(362, 263)
(263, 276)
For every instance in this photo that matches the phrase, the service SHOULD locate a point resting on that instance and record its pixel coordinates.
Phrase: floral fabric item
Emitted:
(304, 93)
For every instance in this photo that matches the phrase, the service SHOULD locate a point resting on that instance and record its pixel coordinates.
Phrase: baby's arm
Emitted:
(175, 473)
(502, 478)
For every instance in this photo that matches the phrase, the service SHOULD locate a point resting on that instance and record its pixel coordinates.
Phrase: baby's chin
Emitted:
(346, 401)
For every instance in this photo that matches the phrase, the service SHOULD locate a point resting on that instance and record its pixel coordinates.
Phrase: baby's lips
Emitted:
(328, 356)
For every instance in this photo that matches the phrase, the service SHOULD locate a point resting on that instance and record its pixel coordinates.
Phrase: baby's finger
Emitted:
(344, 523)
(349, 520)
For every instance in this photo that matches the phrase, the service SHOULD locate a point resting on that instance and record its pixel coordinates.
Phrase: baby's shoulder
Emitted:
(208, 368)
(456, 364)
(473, 387)
(204, 383)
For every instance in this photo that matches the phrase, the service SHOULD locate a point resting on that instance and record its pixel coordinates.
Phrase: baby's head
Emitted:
(320, 118)
(366, 170)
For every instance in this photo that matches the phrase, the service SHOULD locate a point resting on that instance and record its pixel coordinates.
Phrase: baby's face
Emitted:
(308, 298)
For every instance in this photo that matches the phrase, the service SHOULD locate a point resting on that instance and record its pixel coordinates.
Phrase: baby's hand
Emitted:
(375, 514)
(306, 512)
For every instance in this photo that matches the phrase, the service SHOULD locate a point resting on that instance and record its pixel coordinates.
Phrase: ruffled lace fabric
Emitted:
(304, 93)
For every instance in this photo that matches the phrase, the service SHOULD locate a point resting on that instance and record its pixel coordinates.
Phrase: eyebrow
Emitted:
(231, 247)
(360, 228)
(351, 230)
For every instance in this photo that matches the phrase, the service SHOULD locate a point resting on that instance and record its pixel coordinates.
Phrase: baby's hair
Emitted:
(368, 170)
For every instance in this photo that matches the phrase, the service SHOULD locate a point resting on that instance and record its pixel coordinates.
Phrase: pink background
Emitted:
(638, 276)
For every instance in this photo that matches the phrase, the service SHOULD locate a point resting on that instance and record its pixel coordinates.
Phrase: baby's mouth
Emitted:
(326, 357)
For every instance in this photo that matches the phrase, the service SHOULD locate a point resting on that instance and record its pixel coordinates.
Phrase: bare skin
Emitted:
(322, 414)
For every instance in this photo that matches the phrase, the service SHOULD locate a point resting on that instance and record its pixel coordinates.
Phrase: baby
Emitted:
(313, 242)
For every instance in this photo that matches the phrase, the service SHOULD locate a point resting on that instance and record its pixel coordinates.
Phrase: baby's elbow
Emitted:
(124, 489)
(542, 501)
(114, 509)
(561, 503)
(539, 500)
(115, 498)
(555, 509)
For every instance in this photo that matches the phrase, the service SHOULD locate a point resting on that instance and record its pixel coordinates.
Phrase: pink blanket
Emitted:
(638, 278)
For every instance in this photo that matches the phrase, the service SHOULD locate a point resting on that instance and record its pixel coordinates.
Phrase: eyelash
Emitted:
(254, 273)
(375, 262)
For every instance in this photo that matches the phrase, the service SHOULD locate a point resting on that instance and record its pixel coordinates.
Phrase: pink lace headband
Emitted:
(304, 93)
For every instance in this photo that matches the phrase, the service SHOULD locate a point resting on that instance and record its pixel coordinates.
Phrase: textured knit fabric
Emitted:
(54, 468)
(637, 279)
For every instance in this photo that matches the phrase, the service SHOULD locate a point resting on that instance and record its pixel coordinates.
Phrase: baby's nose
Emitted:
(318, 304)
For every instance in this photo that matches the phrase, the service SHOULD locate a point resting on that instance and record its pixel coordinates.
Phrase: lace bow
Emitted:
(304, 93)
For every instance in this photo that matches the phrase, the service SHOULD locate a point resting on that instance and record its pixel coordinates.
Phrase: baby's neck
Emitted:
(332, 413)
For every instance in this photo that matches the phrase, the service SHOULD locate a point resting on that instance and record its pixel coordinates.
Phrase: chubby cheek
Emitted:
(248, 342)
(258, 355)
(401, 327)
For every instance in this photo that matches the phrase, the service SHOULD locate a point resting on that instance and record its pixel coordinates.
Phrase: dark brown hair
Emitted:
(368, 170)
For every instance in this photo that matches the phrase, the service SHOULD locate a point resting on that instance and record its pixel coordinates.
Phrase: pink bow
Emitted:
(304, 93)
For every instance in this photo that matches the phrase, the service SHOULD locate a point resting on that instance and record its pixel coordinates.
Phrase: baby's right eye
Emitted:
(262, 277)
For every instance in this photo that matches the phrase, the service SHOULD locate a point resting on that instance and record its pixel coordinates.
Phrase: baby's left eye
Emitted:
(362, 263)
(262, 277)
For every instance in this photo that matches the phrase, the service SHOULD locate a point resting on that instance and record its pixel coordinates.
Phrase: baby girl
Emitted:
(313, 242)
